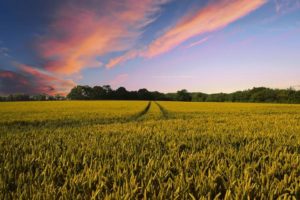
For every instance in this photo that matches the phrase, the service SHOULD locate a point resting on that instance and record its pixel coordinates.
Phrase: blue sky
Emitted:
(165, 45)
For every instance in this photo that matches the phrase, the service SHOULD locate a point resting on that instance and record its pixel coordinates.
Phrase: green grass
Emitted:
(161, 150)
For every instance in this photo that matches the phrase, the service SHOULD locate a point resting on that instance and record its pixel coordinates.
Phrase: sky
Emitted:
(206, 46)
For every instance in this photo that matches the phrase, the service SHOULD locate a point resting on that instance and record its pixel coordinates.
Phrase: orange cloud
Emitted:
(127, 56)
(82, 33)
(45, 82)
(213, 17)
(118, 80)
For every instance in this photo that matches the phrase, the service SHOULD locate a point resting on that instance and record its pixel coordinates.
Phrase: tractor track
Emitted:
(79, 123)
(142, 113)
(163, 111)
(73, 122)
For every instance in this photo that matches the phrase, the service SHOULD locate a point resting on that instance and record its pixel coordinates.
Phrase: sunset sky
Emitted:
(49, 46)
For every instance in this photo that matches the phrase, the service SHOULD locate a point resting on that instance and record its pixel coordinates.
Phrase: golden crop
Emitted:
(142, 150)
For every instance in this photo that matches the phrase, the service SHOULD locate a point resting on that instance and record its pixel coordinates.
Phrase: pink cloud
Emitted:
(82, 33)
(7, 74)
(118, 80)
(127, 56)
(214, 16)
(46, 82)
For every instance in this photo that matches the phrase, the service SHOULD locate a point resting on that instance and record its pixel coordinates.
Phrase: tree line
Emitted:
(36, 97)
(257, 94)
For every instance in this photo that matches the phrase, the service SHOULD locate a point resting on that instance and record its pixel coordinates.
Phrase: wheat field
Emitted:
(149, 150)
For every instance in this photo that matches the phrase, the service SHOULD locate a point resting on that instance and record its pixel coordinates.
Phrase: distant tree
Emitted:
(200, 97)
(171, 96)
(240, 96)
(262, 94)
(121, 93)
(18, 97)
(158, 96)
(39, 97)
(109, 92)
(259, 94)
(183, 95)
(98, 93)
(133, 95)
(144, 94)
(219, 97)
(58, 97)
(79, 93)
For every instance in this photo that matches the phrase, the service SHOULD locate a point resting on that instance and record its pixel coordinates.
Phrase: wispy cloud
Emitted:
(297, 87)
(127, 56)
(173, 77)
(32, 80)
(81, 34)
(286, 6)
(13, 82)
(4, 51)
(213, 17)
(118, 80)
(199, 42)
(216, 15)
(45, 81)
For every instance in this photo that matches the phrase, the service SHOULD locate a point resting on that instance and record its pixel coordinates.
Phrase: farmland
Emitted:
(150, 150)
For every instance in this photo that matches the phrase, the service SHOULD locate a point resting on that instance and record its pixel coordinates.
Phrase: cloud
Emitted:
(83, 32)
(286, 6)
(214, 16)
(4, 51)
(173, 77)
(118, 80)
(32, 81)
(297, 87)
(203, 40)
(12, 82)
(127, 56)
(46, 80)
(79, 33)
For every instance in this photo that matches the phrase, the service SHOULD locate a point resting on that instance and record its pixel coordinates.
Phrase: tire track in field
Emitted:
(142, 113)
(163, 111)
(73, 122)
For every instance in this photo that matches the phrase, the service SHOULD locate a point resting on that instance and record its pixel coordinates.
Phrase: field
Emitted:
(149, 150)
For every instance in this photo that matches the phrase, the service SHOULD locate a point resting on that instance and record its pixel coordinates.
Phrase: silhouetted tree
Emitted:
(257, 94)
(144, 94)
(183, 95)
(78, 93)
(121, 93)
(98, 93)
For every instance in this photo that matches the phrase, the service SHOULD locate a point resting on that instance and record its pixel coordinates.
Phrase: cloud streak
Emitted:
(119, 79)
(216, 15)
(32, 81)
(211, 18)
(4, 51)
(286, 6)
(81, 34)
(199, 42)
